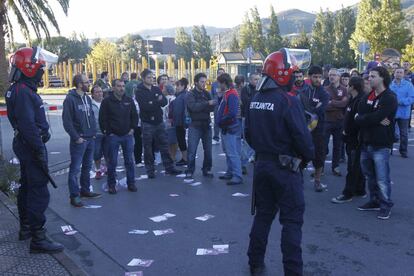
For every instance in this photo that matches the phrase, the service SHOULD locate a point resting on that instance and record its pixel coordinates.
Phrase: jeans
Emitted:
(355, 181)
(232, 148)
(376, 169)
(403, 134)
(127, 144)
(80, 154)
(246, 151)
(195, 133)
(155, 134)
(101, 148)
(278, 191)
(334, 129)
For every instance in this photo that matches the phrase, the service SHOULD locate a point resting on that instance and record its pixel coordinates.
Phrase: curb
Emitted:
(62, 257)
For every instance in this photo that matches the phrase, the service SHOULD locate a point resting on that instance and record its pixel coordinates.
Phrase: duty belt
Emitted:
(285, 161)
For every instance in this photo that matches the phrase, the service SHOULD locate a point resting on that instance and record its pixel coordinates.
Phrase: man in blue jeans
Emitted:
(230, 130)
(405, 96)
(199, 105)
(79, 123)
(117, 118)
(216, 95)
(375, 117)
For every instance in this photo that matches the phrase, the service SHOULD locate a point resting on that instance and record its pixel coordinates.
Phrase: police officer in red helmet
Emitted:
(277, 131)
(26, 113)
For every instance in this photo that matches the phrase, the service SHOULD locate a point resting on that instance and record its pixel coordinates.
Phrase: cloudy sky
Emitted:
(96, 18)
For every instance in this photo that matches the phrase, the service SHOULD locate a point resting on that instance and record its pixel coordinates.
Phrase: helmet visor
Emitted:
(42, 55)
(301, 58)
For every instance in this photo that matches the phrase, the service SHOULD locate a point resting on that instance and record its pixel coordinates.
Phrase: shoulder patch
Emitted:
(8, 94)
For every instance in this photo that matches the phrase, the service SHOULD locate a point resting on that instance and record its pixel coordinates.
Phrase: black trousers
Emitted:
(355, 180)
(33, 197)
(138, 145)
(278, 191)
(180, 132)
(155, 134)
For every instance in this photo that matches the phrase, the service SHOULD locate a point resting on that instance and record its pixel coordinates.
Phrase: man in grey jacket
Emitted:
(79, 123)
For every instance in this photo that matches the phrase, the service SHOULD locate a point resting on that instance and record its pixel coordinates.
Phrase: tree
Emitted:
(246, 32)
(344, 27)
(273, 38)
(302, 41)
(323, 38)
(184, 44)
(234, 44)
(381, 24)
(258, 39)
(103, 52)
(408, 53)
(131, 47)
(202, 43)
(36, 14)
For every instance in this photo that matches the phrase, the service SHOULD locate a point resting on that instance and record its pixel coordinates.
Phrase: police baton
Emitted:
(253, 203)
(45, 171)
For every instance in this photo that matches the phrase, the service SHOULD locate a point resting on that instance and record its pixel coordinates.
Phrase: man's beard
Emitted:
(299, 83)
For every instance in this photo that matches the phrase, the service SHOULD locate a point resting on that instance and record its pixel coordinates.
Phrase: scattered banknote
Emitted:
(140, 262)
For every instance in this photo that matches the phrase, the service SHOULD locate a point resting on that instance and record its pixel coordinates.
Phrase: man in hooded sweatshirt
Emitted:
(79, 123)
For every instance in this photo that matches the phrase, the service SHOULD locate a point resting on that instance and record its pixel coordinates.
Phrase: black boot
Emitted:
(41, 243)
(24, 232)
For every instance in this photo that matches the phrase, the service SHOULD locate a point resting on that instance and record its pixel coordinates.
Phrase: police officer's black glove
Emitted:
(46, 137)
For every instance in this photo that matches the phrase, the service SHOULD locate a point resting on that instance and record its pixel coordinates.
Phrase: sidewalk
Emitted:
(15, 258)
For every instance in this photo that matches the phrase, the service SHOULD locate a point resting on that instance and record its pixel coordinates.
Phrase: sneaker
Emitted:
(244, 170)
(369, 206)
(225, 177)
(151, 175)
(384, 214)
(404, 155)
(234, 182)
(90, 194)
(208, 174)
(319, 187)
(112, 190)
(215, 142)
(132, 188)
(173, 171)
(336, 171)
(140, 165)
(98, 175)
(341, 199)
(76, 202)
(182, 162)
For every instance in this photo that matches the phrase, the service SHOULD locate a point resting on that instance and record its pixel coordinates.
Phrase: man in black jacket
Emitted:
(150, 100)
(200, 105)
(375, 117)
(79, 122)
(117, 118)
(355, 181)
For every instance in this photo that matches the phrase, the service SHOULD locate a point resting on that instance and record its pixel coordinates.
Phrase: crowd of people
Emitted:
(151, 118)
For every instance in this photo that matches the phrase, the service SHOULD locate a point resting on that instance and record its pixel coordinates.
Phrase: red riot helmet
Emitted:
(29, 61)
(279, 66)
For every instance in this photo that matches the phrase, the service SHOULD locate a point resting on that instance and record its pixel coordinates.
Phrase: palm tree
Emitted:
(31, 15)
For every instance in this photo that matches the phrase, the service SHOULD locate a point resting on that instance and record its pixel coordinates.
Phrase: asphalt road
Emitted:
(337, 239)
